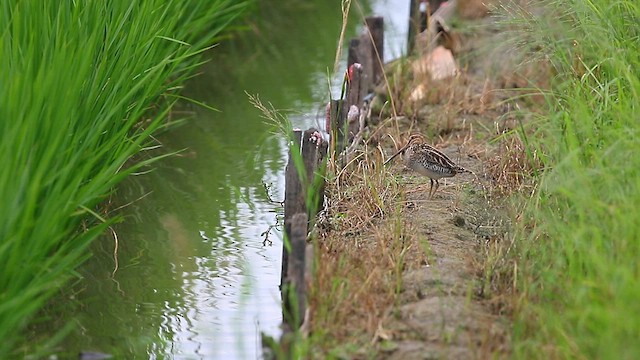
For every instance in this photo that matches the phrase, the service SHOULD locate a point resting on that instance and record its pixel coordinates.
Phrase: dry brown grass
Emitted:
(364, 245)
(511, 166)
(442, 104)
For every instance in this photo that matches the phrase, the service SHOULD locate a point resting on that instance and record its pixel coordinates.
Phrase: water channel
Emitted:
(192, 278)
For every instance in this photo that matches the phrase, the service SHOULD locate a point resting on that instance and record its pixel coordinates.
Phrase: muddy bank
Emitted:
(402, 275)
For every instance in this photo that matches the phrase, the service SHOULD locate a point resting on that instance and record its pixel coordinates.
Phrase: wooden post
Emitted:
(375, 25)
(414, 25)
(296, 271)
(356, 90)
(361, 52)
(312, 151)
(304, 193)
(353, 55)
(368, 51)
(338, 116)
(355, 87)
(293, 199)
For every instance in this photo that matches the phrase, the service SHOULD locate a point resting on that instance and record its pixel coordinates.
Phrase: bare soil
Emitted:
(446, 309)
(441, 304)
(440, 314)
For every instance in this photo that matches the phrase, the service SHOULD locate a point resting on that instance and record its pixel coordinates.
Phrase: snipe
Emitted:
(428, 161)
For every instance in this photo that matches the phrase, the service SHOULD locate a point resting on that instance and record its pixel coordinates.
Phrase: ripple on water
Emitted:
(224, 295)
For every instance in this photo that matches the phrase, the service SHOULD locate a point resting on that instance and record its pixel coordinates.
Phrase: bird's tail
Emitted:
(460, 170)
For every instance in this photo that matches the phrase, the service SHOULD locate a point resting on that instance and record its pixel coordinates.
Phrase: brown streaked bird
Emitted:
(428, 161)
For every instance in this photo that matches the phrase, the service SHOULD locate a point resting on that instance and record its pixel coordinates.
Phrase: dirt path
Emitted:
(439, 315)
(402, 274)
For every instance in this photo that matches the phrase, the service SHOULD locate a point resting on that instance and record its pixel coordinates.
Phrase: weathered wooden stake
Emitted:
(296, 271)
(293, 199)
(353, 55)
(360, 49)
(365, 70)
(361, 52)
(311, 151)
(375, 24)
(356, 91)
(314, 151)
(304, 193)
(338, 116)
(414, 25)
(357, 87)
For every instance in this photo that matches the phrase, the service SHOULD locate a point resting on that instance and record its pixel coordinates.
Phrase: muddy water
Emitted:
(192, 275)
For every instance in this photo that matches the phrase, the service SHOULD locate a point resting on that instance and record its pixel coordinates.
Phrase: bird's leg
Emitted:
(437, 186)
(430, 188)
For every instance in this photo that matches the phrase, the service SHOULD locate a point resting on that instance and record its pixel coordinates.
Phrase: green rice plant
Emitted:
(83, 85)
(579, 272)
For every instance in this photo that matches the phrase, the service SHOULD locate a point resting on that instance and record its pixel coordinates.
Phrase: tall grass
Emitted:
(579, 270)
(83, 85)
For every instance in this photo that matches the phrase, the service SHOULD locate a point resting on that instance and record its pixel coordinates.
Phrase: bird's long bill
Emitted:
(396, 154)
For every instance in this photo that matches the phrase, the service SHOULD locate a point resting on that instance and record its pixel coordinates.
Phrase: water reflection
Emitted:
(193, 278)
